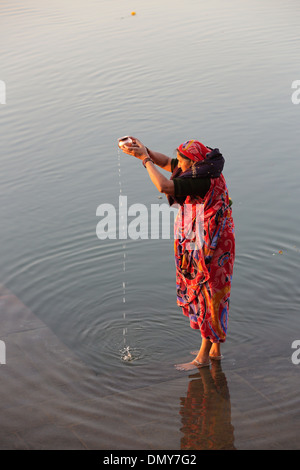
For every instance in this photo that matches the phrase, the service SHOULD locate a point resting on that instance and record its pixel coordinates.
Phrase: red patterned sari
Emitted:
(204, 270)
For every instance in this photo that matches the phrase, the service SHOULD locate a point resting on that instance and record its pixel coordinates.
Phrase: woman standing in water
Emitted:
(203, 271)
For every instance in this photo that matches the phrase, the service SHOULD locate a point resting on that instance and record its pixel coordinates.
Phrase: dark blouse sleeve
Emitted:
(189, 186)
(174, 163)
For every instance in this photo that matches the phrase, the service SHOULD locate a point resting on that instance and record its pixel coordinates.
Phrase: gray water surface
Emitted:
(78, 76)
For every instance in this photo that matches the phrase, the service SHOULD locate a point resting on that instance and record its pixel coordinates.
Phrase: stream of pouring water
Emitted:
(126, 353)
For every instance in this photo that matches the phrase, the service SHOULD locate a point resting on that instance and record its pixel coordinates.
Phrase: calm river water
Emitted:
(81, 74)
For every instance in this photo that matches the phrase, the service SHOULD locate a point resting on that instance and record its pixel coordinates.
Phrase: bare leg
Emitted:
(202, 358)
(203, 354)
(215, 352)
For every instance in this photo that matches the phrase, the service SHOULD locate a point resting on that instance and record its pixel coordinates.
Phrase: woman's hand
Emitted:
(136, 149)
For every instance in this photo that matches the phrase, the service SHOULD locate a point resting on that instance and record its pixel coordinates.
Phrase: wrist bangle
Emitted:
(147, 159)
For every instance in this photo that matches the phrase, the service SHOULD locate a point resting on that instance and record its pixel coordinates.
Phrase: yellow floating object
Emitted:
(133, 13)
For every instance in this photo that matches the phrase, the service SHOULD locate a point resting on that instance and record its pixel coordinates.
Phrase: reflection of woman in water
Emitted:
(206, 412)
(203, 270)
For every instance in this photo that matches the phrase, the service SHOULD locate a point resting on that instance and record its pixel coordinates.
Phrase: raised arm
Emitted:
(138, 150)
(160, 159)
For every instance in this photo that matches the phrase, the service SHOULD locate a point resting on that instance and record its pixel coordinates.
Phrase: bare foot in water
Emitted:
(214, 353)
(195, 364)
(201, 360)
